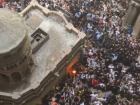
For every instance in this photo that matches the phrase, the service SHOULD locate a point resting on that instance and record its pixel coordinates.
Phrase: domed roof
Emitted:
(12, 30)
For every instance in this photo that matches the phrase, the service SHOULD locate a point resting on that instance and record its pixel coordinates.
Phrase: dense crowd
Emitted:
(108, 71)
(14, 5)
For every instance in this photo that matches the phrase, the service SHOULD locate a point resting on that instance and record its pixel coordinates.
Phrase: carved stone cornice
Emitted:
(138, 1)
(132, 3)
(137, 6)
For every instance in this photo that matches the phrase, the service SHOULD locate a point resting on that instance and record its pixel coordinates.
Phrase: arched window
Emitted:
(16, 76)
(4, 78)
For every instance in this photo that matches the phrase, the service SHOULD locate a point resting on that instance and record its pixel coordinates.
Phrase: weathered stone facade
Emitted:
(132, 17)
(62, 44)
(16, 61)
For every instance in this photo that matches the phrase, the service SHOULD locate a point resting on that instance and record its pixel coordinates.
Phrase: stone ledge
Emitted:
(135, 36)
(69, 27)
(82, 35)
(47, 12)
(34, 90)
(15, 95)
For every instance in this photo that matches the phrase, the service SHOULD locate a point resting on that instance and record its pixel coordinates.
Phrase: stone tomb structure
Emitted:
(132, 18)
(16, 61)
(36, 47)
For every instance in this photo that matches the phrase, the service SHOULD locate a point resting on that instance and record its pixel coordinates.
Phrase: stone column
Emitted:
(11, 80)
(22, 76)
(133, 16)
(130, 10)
(127, 3)
(136, 28)
(22, 4)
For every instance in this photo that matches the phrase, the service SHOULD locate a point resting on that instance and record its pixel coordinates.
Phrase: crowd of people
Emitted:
(14, 5)
(108, 71)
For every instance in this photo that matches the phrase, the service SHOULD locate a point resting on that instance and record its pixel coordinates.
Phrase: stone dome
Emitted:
(16, 61)
(12, 30)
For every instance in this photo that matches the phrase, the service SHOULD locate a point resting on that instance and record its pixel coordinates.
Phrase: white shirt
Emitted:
(82, 103)
(111, 71)
(123, 71)
(111, 67)
(102, 85)
(46, 5)
(130, 91)
(82, 76)
(92, 76)
(130, 76)
(101, 99)
(132, 82)
(139, 89)
(93, 96)
(97, 103)
(109, 76)
(87, 76)
(90, 53)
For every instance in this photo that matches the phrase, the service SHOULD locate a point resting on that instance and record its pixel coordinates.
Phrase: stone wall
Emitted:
(17, 65)
(36, 89)
(132, 18)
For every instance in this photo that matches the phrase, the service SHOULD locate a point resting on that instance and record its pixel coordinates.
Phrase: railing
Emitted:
(64, 11)
(67, 14)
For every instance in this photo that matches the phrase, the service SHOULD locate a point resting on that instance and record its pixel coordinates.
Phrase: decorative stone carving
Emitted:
(129, 12)
(136, 28)
(133, 3)
(132, 14)
(13, 56)
(137, 6)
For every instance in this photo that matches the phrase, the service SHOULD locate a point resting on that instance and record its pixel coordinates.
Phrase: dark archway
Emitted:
(16, 76)
(4, 78)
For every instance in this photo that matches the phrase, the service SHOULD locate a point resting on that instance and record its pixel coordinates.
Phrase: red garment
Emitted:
(100, 21)
(2, 1)
(95, 82)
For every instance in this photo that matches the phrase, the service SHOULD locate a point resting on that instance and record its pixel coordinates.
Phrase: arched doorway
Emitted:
(4, 78)
(16, 76)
